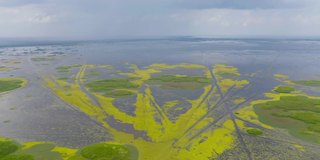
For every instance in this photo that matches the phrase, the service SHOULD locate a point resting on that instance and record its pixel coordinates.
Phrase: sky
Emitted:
(104, 19)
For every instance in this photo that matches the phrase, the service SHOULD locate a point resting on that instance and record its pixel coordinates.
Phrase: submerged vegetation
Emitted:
(44, 58)
(66, 69)
(11, 150)
(8, 84)
(4, 68)
(311, 83)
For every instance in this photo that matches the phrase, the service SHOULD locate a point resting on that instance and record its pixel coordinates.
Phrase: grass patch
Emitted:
(311, 83)
(300, 115)
(103, 151)
(113, 87)
(254, 131)
(179, 81)
(284, 89)
(8, 84)
(7, 147)
(10, 150)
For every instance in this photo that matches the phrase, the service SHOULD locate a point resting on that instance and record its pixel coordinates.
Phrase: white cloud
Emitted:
(111, 18)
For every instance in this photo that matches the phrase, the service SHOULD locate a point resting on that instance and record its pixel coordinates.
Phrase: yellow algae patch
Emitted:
(4, 139)
(283, 78)
(169, 104)
(65, 153)
(225, 84)
(226, 77)
(12, 61)
(27, 145)
(248, 113)
(239, 100)
(225, 70)
(140, 75)
(72, 94)
(108, 107)
(210, 144)
(280, 76)
(145, 118)
(298, 146)
(171, 66)
(5, 69)
(166, 140)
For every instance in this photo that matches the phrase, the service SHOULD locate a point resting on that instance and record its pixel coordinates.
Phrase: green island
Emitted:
(284, 89)
(113, 87)
(300, 115)
(254, 131)
(179, 81)
(8, 84)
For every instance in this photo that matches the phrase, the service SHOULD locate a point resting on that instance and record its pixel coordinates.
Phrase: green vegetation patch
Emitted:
(66, 69)
(284, 89)
(8, 84)
(117, 87)
(9, 150)
(254, 131)
(103, 151)
(300, 115)
(7, 147)
(312, 83)
(179, 81)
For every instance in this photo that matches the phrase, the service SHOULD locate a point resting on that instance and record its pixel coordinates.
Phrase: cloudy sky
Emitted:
(102, 19)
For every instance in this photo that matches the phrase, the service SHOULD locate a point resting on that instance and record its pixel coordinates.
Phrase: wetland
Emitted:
(172, 99)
